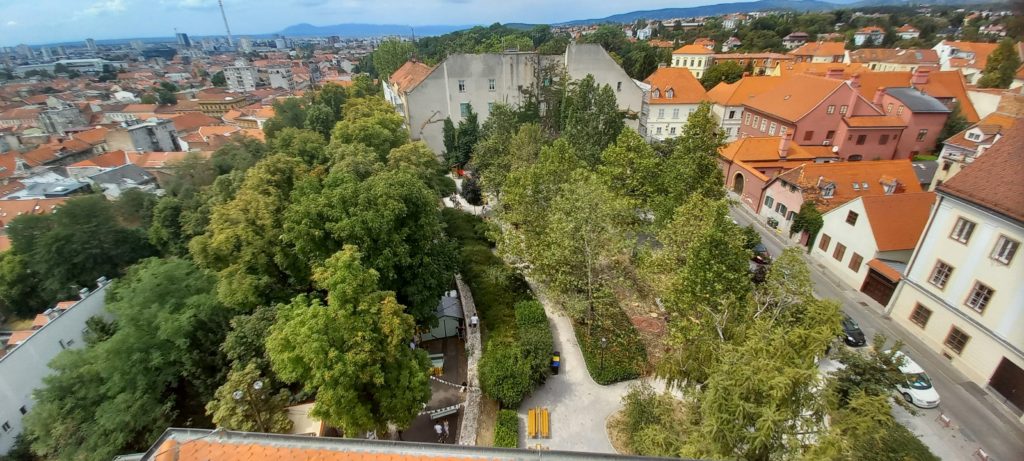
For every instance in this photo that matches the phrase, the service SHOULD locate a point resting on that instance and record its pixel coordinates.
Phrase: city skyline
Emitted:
(122, 19)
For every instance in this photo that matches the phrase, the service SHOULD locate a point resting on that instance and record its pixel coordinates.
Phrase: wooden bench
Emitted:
(538, 423)
(545, 423)
(531, 423)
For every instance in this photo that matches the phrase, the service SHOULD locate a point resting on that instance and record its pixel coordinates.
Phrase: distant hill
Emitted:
(710, 10)
(366, 30)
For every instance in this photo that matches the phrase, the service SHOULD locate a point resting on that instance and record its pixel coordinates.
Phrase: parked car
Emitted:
(761, 255)
(918, 388)
(852, 335)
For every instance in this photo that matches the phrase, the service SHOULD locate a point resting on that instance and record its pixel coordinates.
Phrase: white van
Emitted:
(918, 388)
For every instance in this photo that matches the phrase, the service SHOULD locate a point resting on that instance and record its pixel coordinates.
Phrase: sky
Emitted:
(50, 21)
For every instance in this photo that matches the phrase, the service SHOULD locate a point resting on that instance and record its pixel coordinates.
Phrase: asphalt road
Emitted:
(979, 420)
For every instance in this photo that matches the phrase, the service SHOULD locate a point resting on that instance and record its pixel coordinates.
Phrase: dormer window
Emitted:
(657, 93)
(889, 188)
(828, 190)
(973, 136)
(670, 93)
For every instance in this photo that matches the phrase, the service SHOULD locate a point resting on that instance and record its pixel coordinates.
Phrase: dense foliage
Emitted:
(506, 431)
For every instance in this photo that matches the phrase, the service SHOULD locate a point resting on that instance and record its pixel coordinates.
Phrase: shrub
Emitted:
(535, 339)
(624, 357)
(506, 432)
(652, 422)
(505, 374)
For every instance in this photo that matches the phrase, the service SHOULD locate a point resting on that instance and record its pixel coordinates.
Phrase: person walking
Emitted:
(474, 321)
(440, 432)
(446, 429)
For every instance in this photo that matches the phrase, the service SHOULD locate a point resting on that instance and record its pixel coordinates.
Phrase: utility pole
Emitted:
(231, 42)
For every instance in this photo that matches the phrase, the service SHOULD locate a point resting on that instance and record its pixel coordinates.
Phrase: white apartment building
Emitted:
(280, 77)
(962, 292)
(674, 94)
(241, 78)
(23, 368)
(696, 58)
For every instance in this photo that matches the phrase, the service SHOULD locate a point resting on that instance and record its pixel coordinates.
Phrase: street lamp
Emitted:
(250, 401)
(604, 345)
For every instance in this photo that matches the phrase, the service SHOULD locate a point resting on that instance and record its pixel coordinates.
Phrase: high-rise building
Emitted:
(245, 45)
(183, 40)
(61, 51)
(280, 43)
(90, 44)
(47, 55)
(137, 45)
(241, 78)
(24, 51)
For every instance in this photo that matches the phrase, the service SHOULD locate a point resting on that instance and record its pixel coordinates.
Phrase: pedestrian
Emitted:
(474, 321)
(440, 432)
(412, 344)
(446, 429)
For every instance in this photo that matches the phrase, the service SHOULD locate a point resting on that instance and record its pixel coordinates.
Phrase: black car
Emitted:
(761, 255)
(852, 335)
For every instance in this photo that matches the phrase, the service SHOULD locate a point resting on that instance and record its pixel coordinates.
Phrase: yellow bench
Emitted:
(538, 423)
(545, 423)
(531, 423)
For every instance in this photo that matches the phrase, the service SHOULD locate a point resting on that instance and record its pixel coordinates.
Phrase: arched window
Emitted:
(670, 93)
(657, 93)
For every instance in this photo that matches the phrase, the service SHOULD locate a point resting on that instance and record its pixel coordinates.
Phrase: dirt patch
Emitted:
(488, 418)
(16, 324)
(645, 314)
(616, 434)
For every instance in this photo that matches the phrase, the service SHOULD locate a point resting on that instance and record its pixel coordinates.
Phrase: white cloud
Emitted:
(104, 6)
(11, 23)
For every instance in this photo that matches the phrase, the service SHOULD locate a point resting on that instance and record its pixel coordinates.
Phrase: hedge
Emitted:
(625, 356)
(505, 373)
(535, 339)
(506, 432)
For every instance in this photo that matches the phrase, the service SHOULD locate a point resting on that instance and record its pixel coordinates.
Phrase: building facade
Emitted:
(696, 58)
(241, 77)
(675, 94)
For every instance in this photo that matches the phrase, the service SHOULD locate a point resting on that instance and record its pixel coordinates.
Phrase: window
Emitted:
(782, 130)
(843, 108)
(920, 315)
(839, 252)
(464, 109)
(979, 297)
(6, 426)
(831, 109)
(661, 113)
(808, 135)
(940, 275)
(772, 128)
(675, 113)
(781, 209)
(861, 139)
(490, 107)
(462, 86)
(855, 261)
(888, 108)
(732, 114)
(790, 216)
(670, 93)
(956, 340)
(757, 119)
(825, 241)
(831, 134)
(764, 124)
(921, 134)
(856, 186)
(672, 131)
(657, 130)
(490, 84)
(974, 136)
(746, 119)
(851, 218)
(899, 110)
(728, 132)
(828, 191)
(883, 139)
(657, 93)
(768, 201)
(618, 87)
(1005, 249)
(946, 165)
(23, 410)
(962, 230)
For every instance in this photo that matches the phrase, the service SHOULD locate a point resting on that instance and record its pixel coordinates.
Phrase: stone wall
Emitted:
(471, 413)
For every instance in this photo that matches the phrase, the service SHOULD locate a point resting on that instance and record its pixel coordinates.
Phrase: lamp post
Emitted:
(604, 345)
(250, 401)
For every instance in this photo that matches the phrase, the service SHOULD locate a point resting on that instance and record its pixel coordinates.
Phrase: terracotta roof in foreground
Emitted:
(409, 75)
(796, 96)
(692, 49)
(685, 87)
(993, 180)
(897, 220)
(843, 175)
(741, 91)
(220, 445)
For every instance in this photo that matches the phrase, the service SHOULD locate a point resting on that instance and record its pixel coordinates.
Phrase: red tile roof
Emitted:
(897, 220)
(685, 87)
(10, 209)
(820, 49)
(40, 321)
(18, 337)
(111, 159)
(409, 75)
(94, 136)
(795, 97)
(981, 52)
(844, 174)
(692, 49)
(742, 91)
(766, 148)
(940, 85)
(993, 180)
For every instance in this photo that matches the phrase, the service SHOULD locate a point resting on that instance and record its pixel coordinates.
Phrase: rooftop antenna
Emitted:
(413, 30)
(226, 26)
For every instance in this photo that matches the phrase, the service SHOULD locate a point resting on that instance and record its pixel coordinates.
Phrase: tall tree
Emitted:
(727, 72)
(247, 402)
(306, 145)
(954, 124)
(692, 167)
(352, 351)
(390, 55)
(501, 152)
(320, 119)
(631, 168)
(1002, 64)
(288, 112)
(371, 121)
(590, 118)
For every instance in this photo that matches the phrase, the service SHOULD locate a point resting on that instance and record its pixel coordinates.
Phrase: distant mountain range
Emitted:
(367, 30)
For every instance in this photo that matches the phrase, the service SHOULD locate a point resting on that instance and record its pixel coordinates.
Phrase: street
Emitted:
(977, 418)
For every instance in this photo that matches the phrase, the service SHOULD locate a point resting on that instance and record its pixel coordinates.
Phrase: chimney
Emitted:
(855, 81)
(746, 74)
(835, 73)
(920, 76)
(878, 96)
(784, 144)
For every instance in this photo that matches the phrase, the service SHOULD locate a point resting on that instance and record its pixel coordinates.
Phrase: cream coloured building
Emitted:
(674, 94)
(962, 292)
(694, 57)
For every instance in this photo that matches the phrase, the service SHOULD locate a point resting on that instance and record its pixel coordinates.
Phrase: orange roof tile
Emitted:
(766, 149)
(741, 91)
(941, 84)
(10, 209)
(39, 321)
(409, 75)
(981, 52)
(897, 220)
(993, 180)
(140, 108)
(191, 121)
(65, 305)
(94, 136)
(685, 87)
(18, 337)
(886, 270)
(5, 244)
(692, 49)
(821, 49)
(795, 97)
(111, 159)
(844, 174)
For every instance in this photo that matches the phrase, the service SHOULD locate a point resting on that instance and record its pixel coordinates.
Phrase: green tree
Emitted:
(155, 371)
(590, 118)
(134, 208)
(306, 145)
(390, 55)
(362, 86)
(166, 97)
(353, 351)
(354, 159)
(505, 373)
(245, 342)
(333, 97)
(502, 150)
(728, 72)
(219, 80)
(148, 98)
(418, 159)
(371, 121)
(288, 112)
(808, 220)
(631, 168)
(238, 155)
(320, 119)
(874, 374)
(692, 166)
(21, 295)
(1002, 64)
(241, 404)
(954, 124)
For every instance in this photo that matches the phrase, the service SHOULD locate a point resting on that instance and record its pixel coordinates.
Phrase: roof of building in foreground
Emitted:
(204, 444)
(993, 180)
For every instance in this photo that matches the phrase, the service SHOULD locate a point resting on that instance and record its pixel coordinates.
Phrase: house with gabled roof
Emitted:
(749, 164)
(728, 100)
(675, 93)
(966, 146)
(970, 58)
(867, 242)
(872, 35)
(907, 32)
(819, 52)
(695, 57)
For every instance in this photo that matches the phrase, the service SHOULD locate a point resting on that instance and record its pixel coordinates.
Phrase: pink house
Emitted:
(923, 115)
(749, 164)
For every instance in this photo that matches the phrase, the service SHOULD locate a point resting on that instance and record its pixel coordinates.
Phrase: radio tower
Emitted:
(226, 26)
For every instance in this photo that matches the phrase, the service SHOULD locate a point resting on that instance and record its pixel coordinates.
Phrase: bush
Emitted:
(624, 357)
(535, 339)
(505, 374)
(506, 432)
(652, 422)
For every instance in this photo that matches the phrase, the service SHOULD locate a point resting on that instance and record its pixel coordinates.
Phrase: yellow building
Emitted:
(694, 57)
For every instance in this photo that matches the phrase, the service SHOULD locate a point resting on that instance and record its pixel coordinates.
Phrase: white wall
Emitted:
(661, 118)
(858, 238)
(23, 368)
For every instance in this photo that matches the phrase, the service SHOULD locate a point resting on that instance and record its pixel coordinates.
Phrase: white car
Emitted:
(918, 388)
